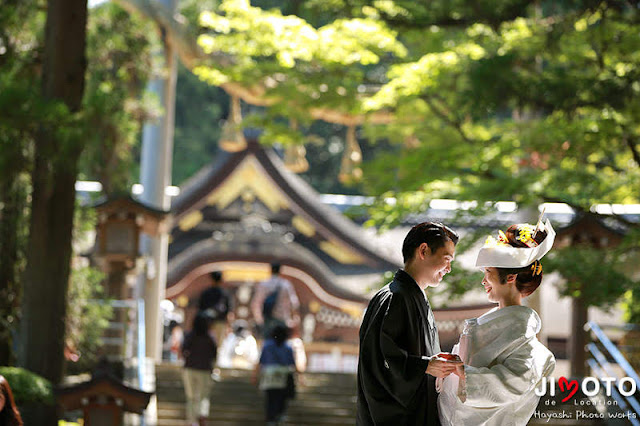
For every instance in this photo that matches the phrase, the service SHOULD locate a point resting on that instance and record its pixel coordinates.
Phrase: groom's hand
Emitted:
(440, 367)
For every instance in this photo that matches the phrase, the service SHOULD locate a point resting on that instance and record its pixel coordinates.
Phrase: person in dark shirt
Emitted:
(275, 366)
(217, 304)
(398, 361)
(199, 350)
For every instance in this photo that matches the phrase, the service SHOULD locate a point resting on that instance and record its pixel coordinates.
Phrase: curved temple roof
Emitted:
(252, 195)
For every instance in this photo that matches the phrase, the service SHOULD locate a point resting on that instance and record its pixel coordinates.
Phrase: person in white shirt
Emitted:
(239, 349)
(275, 302)
(503, 360)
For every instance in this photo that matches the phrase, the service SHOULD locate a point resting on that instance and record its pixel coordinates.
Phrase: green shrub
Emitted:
(631, 307)
(28, 387)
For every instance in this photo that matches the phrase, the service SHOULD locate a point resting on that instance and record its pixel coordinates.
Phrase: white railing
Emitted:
(602, 368)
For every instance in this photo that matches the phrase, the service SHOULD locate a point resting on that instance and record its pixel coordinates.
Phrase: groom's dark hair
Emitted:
(433, 233)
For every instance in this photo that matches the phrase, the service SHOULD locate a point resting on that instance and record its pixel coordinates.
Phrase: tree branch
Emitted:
(474, 15)
(445, 115)
(633, 148)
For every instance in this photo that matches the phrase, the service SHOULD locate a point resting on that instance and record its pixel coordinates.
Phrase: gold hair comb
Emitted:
(536, 268)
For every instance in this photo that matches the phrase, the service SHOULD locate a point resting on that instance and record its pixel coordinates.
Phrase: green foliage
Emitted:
(324, 143)
(13, 239)
(631, 307)
(20, 39)
(308, 67)
(87, 313)
(27, 387)
(458, 282)
(199, 111)
(503, 102)
(190, 11)
(386, 278)
(536, 108)
(492, 100)
(596, 276)
(23, 114)
(119, 50)
(631, 299)
(87, 317)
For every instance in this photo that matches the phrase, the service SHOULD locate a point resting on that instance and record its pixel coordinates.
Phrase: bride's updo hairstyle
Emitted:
(529, 277)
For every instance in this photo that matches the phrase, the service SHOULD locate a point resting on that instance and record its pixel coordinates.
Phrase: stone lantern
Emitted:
(121, 220)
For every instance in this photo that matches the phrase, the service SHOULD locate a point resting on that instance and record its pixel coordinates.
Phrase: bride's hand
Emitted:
(459, 371)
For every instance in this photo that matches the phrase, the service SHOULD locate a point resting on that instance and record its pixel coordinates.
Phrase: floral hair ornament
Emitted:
(500, 254)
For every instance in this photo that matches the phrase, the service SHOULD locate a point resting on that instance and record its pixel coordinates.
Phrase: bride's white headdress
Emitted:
(500, 254)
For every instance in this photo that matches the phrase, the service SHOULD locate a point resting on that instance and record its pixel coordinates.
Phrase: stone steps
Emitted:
(323, 399)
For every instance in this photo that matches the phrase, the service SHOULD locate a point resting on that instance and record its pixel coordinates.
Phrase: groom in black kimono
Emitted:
(398, 361)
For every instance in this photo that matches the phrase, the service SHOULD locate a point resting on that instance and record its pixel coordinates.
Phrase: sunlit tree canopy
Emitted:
(504, 100)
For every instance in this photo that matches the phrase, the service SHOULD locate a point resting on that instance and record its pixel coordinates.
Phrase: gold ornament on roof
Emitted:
(295, 155)
(351, 159)
(232, 138)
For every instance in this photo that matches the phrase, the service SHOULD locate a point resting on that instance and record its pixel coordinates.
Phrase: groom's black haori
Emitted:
(397, 336)
(407, 334)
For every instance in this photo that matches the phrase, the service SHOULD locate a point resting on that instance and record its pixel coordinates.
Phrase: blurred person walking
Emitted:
(275, 303)
(276, 370)
(218, 305)
(199, 350)
(239, 349)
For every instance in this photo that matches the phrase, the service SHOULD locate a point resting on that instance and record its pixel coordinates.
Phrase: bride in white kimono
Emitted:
(503, 360)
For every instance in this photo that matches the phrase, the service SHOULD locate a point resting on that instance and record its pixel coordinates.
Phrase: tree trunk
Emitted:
(578, 340)
(53, 201)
